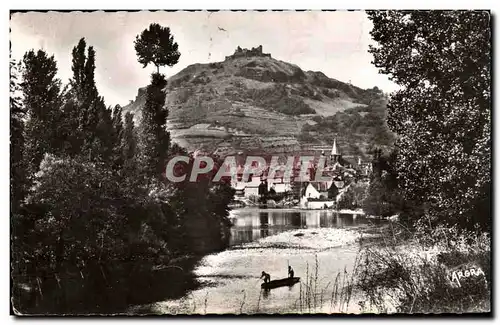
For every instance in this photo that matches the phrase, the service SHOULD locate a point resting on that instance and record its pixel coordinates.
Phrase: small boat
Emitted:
(280, 283)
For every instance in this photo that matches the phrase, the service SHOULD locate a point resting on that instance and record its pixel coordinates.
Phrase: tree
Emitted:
(17, 173)
(95, 131)
(117, 136)
(156, 45)
(353, 196)
(442, 113)
(88, 222)
(383, 196)
(83, 67)
(41, 99)
(129, 140)
(333, 191)
(155, 138)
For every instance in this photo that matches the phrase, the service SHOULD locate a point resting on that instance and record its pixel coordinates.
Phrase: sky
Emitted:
(335, 43)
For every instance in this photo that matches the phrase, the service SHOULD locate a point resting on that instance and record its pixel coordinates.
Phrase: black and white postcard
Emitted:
(250, 162)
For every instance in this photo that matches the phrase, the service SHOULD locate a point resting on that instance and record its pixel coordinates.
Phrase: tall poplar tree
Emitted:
(95, 130)
(155, 45)
(155, 138)
(129, 140)
(117, 135)
(41, 100)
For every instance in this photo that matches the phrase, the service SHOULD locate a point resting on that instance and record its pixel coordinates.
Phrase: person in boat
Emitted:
(266, 276)
(290, 272)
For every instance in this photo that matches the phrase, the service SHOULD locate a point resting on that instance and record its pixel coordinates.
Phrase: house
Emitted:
(316, 196)
(365, 168)
(279, 182)
(246, 189)
(311, 192)
(249, 188)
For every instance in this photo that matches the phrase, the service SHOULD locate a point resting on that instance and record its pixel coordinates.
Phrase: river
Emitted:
(320, 245)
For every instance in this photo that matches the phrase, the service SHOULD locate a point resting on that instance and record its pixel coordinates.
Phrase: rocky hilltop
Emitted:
(253, 102)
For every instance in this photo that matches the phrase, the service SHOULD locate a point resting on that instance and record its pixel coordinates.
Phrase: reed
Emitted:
(243, 301)
(316, 298)
(412, 271)
(405, 271)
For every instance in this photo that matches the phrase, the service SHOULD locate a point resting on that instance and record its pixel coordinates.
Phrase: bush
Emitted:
(306, 137)
(180, 81)
(353, 196)
(382, 200)
(278, 99)
(82, 237)
(416, 275)
(92, 240)
(215, 65)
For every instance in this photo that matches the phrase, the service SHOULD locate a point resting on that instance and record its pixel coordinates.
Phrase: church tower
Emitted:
(335, 154)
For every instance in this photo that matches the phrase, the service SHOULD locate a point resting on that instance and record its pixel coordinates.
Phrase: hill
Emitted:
(252, 102)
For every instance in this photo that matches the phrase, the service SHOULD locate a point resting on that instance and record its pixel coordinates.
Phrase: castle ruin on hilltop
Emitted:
(241, 53)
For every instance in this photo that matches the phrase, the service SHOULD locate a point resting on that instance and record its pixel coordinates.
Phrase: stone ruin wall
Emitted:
(255, 51)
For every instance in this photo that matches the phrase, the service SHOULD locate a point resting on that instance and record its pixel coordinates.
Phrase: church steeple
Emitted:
(334, 148)
(335, 154)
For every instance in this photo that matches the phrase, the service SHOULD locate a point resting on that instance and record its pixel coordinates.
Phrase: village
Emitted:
(302, 191)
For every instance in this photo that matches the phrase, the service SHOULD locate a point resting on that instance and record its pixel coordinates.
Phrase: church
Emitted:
(323, 194)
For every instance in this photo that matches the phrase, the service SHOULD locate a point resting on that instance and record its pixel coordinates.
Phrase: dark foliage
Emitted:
(384, 198)
(17, 169)
(353, 196)
(41, 101)
(93, 234)
(278, 98)
(156, 45)
(358, 124)
(442, 115)
(154, 138)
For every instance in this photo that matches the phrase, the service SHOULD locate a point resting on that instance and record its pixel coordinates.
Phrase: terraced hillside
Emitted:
(252, 102)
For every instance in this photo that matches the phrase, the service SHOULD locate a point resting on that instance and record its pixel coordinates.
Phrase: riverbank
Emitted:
(438, 270)
(361, 269)
(298, 209)
(324, 258)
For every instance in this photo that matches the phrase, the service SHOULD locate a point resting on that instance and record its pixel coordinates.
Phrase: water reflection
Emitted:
(253, 224)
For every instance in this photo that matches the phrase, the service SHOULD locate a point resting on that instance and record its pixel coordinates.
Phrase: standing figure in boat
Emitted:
(266, 276)
(290, 272)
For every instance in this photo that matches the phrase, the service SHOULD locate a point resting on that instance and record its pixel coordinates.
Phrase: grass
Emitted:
(312, 300)
(412, 271)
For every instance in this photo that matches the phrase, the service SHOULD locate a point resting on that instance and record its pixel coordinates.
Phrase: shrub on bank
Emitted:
(438, 270)
(353, 196)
